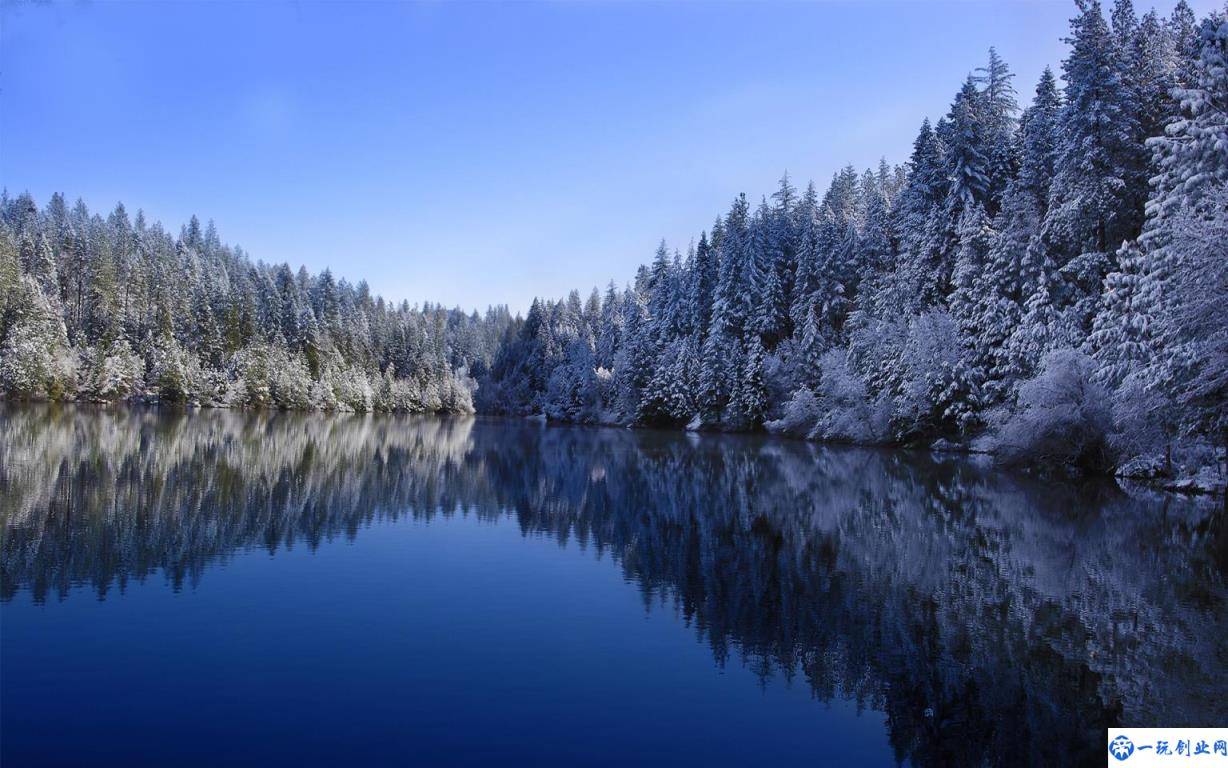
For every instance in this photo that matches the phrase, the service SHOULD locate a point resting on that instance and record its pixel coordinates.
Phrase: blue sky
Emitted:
(477, 153)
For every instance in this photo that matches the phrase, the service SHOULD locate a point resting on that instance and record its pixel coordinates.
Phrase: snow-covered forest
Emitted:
(116, 308)
(1047, 282)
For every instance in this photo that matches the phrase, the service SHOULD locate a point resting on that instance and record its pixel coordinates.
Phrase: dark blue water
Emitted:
(240, 589)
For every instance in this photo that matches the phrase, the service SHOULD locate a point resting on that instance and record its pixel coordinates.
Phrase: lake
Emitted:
(236, 588)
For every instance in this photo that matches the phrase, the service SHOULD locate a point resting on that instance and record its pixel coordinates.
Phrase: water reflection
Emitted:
(992, 618)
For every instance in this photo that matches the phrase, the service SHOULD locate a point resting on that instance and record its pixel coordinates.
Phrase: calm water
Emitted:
(229, 588)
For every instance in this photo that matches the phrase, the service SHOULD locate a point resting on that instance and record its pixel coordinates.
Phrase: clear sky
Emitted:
(479, 153)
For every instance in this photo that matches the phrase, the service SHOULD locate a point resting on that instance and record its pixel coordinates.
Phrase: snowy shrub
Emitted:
(603, 384)
(1062, 418)
(571, 393)
(429, 394)
(290, 382)
(876, 348)
(390, 393)
(845, 414)
(799, 415)
(35, 360)
(31, 369)
(321, 396)
(781, 373)
(212, 386)
(1194, 327)
(112, 374)
(177, 377)
(458, 397)
(1144, 423)
(251, 377)
(939, 392)
(353, 391)
(407, 395)
(385, 395)
(272, 377)
(882, 411)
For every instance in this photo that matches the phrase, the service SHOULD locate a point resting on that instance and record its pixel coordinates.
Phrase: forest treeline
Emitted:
(117, 308)
(1048, 283)
(1045, 282)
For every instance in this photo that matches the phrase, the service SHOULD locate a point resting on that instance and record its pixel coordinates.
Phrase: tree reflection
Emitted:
(993, 618)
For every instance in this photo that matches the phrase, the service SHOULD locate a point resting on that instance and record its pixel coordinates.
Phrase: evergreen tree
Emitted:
(1093, 198)
(1039, 142)
(998, 123)
(919, 283)
(750, 399)
(703, 279)
(806, 272)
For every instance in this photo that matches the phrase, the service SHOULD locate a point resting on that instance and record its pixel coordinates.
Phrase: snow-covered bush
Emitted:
(571, 393)
(352, 389)
(271, 376)
(798, 416)
(384, 397)
(845, 411)
(1144, 420)
(430, 400)
(176, 376)
(214, 387)
(1062, 419)
(407, 395)
(458, 397)
(876, 348)
(781, 373)
(35, 360)
(1194, 323)
(31, 369)
(939, 392)
(289, 380)
(111, 374)
(321, 396)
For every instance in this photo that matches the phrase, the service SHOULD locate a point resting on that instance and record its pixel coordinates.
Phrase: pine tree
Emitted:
(1155, 65)
(917, 286)
(35, 358)
(11, 298)
(1018, 270)
(734, 296)
(703, 278)
(634, 367)
(1092, 198)
(784, 233)
(806, 272)
(967, 155)
(1039, 142)
(1121, 334)
(40, 264)
(1186, 205)
(769, 311)
(610, 335)
(750, 400)
(998, 123)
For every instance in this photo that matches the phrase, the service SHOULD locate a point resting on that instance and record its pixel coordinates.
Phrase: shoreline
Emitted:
(1201, 483)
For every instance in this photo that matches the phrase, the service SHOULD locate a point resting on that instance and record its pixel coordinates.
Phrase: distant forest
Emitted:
(1048, 284)
(117, 308)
